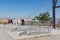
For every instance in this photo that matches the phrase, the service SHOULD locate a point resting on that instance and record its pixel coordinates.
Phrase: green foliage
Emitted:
(43, 16)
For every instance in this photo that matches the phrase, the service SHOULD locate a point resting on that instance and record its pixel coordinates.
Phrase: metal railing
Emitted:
(32, 27)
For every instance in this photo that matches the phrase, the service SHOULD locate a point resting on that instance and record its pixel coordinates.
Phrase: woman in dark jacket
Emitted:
(23, 21)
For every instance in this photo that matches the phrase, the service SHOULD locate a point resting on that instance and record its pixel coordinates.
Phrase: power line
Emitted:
(35, 11)
(51, 6)
(39, 8)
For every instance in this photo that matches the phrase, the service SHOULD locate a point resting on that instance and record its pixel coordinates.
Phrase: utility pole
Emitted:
(54, 2)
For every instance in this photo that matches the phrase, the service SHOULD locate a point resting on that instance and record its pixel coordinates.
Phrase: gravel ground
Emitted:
(53, 37)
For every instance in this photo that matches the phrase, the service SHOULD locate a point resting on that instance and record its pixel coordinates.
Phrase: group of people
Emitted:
(12, 21)
(21, 21)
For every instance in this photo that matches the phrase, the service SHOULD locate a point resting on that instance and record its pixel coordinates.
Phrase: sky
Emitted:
(24, 8)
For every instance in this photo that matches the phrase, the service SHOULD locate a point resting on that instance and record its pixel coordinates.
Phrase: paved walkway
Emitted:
(4, 36)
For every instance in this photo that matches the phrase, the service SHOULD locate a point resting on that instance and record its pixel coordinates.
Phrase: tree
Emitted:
(43, 16)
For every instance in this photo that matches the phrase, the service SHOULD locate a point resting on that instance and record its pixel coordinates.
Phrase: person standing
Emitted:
(22, 22)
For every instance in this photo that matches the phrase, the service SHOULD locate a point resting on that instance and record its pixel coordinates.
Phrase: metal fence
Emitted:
(33, 27)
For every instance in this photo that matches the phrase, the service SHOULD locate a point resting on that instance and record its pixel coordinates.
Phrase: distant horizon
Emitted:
(21, 18)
